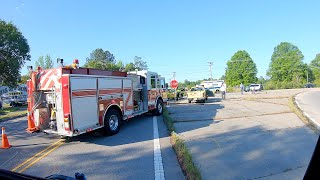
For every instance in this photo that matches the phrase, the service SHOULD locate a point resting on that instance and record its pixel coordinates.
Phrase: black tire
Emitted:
(189, 100)
(112, 122)
(159, 108)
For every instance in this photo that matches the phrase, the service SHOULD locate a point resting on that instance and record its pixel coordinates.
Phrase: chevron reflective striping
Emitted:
(44, 77)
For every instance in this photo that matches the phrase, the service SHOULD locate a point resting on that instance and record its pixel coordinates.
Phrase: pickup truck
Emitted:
(197, 94)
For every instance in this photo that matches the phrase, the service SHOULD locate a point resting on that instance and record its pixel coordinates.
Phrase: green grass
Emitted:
(12, 112)
(184, 156)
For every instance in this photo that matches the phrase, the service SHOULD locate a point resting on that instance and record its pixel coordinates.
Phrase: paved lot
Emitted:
(127, 155)
(246, 136)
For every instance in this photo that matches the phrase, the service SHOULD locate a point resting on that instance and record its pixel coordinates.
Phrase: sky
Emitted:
(171, 36)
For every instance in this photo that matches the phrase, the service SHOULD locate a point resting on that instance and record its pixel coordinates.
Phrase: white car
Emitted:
(256, 87)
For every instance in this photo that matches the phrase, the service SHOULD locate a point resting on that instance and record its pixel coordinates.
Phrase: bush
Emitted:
(271, 85)
(233, 89)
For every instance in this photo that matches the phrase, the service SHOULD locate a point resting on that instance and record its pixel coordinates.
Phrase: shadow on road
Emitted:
(250, 153)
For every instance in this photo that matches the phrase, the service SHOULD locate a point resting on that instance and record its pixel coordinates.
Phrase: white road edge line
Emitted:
(158, 165)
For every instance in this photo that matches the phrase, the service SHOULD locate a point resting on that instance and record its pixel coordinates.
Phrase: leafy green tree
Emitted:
(45, 63)
(286, 64)
(223, 77)
(129, 67)
(240, 69)
(23, 79)
(14, 51)
(100, 59)
(315, 67)
(261, 80)
(140, 64)
(40, 62)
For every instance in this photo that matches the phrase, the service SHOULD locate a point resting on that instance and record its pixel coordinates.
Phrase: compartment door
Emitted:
(84, 102)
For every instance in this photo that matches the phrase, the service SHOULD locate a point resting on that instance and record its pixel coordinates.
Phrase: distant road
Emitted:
(310, 104)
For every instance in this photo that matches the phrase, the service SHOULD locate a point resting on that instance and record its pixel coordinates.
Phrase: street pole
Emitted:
(210, 66)
(174, 75)
(307, 77)
(175, 89)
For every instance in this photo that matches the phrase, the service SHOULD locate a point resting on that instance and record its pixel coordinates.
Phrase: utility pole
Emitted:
(174, 75)
(210, 66)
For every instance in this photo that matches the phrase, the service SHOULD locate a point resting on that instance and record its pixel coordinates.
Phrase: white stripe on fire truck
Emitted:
(158, 164)
(43, 78)
(51, 79)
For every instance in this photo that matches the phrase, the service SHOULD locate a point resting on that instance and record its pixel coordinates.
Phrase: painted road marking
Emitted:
(33, 159)
(158, 165)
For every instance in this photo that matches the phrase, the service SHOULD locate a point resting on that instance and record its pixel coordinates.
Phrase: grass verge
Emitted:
(294, 108)
(11, 112)
(184, 156)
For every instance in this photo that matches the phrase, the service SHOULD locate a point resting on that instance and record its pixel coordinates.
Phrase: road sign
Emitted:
(174, 84)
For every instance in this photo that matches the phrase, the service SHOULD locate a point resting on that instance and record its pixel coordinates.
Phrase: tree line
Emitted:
(286, 69)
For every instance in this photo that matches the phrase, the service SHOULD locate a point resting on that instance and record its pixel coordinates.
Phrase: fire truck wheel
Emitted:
(112, 122)
(159, 108)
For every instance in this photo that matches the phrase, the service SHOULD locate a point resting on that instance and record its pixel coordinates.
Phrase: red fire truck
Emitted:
(70, 102)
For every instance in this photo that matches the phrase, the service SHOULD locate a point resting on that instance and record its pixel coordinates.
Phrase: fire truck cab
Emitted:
(70, 102)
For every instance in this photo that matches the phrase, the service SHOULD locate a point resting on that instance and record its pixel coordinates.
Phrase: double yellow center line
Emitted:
(37, 157)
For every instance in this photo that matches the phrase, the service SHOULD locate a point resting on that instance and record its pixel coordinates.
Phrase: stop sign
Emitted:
(174, 84)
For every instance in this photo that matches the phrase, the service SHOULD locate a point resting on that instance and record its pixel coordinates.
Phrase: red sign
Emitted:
(174, 84)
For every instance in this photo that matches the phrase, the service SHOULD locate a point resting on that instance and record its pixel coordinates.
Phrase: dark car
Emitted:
(309, 85)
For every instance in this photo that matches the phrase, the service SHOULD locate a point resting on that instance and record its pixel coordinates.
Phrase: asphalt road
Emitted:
(248, 136)
(127, 155)
(310, 104)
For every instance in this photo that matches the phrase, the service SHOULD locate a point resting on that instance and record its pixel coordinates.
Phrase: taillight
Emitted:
(66, 122)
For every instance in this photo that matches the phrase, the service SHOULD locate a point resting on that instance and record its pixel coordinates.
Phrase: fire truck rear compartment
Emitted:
(45, 110)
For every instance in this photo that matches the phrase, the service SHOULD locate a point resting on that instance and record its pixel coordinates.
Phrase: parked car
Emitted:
(256, 87)
(309, 85)
(197, 94)
(211, 91)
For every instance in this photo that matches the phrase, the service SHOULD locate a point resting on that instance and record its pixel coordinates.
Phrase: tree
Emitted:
(44, 63)
(129, 67)
(261, 80)
(139, 64)
(14, 52)
(240, 69)
(100, 59)
(223, 77)
(315, 67)
(286, 64)
(48, 61)
(23, 79)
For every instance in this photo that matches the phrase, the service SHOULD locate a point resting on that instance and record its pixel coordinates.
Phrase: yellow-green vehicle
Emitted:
(197, 94)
